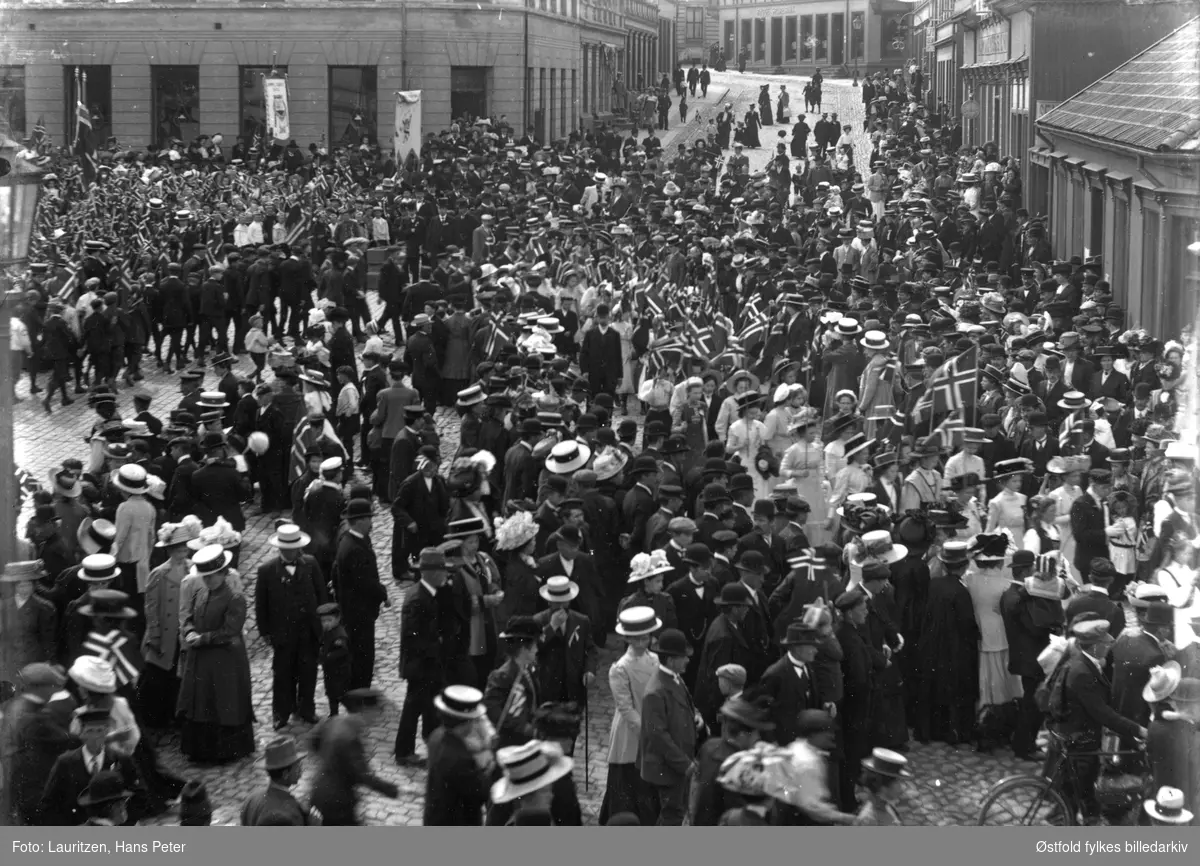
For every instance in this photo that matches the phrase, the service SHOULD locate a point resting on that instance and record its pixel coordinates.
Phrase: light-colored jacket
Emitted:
(162, 614)
(627, 679)
(135, 535)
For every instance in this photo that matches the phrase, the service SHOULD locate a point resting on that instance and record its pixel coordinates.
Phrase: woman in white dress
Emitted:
(629, 374)
(1178, 576)
(627, 679)
(746, 435)
(986, 580)
(778, 422)
(738, 383)
(804, 464)
(854, 477)
(1006, 511)
(1070, 470)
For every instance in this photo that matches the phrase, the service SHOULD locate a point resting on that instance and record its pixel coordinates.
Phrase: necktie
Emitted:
(95, 765)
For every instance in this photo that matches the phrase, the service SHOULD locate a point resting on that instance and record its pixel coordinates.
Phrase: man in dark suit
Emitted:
(695, 596)
(725, 643)
(218, 488)
(358, 590)
(1051, 390)
(290, 588)
(419, 511)
(1039, 448)
(521, 469)
(667, 741)
(1083, 710)
(1093, 598)
(74, 770)
(323, 504)
(861, 664)
(1078, 372)
(31, 739)
(275, 806)
(640, 502)
(566, 665)
(423, 360)
(1134, 653)
(392, 280)
(404, 449)
(765, 542)
(1089, 519)
(791, 682)
(600, 354)
(1109, 381)
(458, 785)
(566, 559)
(422, 654)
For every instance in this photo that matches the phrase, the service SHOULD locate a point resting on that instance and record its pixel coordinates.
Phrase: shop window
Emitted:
(821, 38)
(837, 39)
(807, 42)
(760, 40)
(789, 38)
(468, 91)
(353, 105)
(97, 91)
(175, 105)
(12, 100)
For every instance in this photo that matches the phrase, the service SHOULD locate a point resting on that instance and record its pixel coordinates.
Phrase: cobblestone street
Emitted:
(949, 783)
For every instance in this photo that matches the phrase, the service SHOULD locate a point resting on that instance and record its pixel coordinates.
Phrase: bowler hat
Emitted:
(671, 642)
(107, 786)
(798, 634)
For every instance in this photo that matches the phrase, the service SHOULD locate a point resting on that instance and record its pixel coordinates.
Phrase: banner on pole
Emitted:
(275, 101)
(408, 125)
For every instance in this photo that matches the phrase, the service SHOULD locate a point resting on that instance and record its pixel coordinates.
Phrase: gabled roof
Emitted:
(1151, 102)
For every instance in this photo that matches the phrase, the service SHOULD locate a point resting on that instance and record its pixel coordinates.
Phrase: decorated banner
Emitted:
(408, 124)
(275, 101)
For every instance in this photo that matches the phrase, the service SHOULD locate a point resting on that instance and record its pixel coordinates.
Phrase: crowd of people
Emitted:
(835, 454)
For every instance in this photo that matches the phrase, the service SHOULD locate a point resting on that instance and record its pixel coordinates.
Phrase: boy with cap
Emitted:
(334, 654)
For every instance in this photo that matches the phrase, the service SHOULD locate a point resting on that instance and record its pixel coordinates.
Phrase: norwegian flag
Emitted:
(39, 131)
(85, 148)
(812, 568)
(669, 354)
(1066, 431)
(297, 232)
(950, 432)
(71, 284)
(118, 649)
(212, 250)
(652, 297)
(892, 429)
(312, 432)
(953, 387)
(754, 335)
(701, 339)
(497, 340)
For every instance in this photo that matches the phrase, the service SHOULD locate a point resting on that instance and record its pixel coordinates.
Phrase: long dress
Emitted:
(1065, 496)
(948, 664)
(765, 114)
(456, 366)
(695, 431)
(626, 792)
(214, 695)
(996, 684)
(1006, 513)
(745, 438)
(804, 463)
(750, 133)
(628, 365)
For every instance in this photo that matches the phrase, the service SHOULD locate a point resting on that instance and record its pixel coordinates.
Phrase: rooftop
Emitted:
(1152, 102)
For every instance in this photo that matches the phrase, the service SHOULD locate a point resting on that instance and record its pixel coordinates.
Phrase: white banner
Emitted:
(275, 103)
(408, 125)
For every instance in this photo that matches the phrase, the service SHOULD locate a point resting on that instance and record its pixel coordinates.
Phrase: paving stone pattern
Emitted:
(949, 783)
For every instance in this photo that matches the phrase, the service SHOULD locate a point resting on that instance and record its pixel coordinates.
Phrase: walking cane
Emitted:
(586, 751)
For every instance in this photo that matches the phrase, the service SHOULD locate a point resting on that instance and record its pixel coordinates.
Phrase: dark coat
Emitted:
(600, 357)
(416, 503)
(725, 643)
(218, 490)
(276, 807)
(1087, 526)
(591, 590)
(286, 605)
(1028, 623)
(341, 769)
(512, 718)
(667, 741)
(521, 472)
(456, 790)
(790, 695)
(563, 659)
(356, 580)
(422, 361)
(861, 664)
(1128, 667)
(69, 776)
(1088, 704)
(31, 739)
(709, 800)
(421, 654)
(1100, 604)
(693, 612)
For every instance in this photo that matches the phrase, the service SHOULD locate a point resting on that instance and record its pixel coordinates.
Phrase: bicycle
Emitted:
(1043, 798)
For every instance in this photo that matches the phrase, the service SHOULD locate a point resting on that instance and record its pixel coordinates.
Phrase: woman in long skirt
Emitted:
(214, 695)
(986, 580)
(627, 678)
(746, 436)
(158, 686)
(766, 113)
(804, 463)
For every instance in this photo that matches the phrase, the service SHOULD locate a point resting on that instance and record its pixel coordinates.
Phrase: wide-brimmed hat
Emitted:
(644, 566)
(1073, 401)
(609, 464)
(175, 534)
(1014, 466)
(885, 762)
(96, 567)
(288, 536)
(314, 377)
(559, 589)
(876, 341)
(95, 534)
(94, 674)
(747, 713)
(18, 572)
(107, 786)
(878, 545)
(736, 375)
(528, 768)
(131, 479)
(1164, 680)
(470, 396)
(955, 553)
(637, 622)
(1168, 806)
(567, 457)
(847, 327)
(460, 702)
(210, 559)
(108, 603)
(672, 642)
(515, 531)
(799, 634)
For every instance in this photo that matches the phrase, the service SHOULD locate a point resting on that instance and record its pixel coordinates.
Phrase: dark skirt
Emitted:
(157, 695)
(626, 792)
(663, 415)
(210, 743)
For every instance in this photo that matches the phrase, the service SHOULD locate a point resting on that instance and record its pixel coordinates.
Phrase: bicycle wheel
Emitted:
(1024, 801)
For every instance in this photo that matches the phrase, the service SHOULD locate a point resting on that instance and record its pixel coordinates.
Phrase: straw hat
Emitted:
(210, 559)
(18, 572)
(460, 702)
(288, 536)
(528, 768)
(559, 589)
(1164, 679)
(566, 457)
(646, 565)
(637, 622)
(1168, 807)
(878, 545)
(94, 674)
(885, 762)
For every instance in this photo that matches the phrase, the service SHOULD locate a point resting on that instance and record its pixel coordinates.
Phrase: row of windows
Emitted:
(176, 99)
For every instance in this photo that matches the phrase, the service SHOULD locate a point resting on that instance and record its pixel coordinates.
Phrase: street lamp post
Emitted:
(20, 186)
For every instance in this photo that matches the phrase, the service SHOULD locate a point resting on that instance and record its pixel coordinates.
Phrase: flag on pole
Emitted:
(950, 432)
(407, 139)
(275, 98)
(85, 148)
(953, 387)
